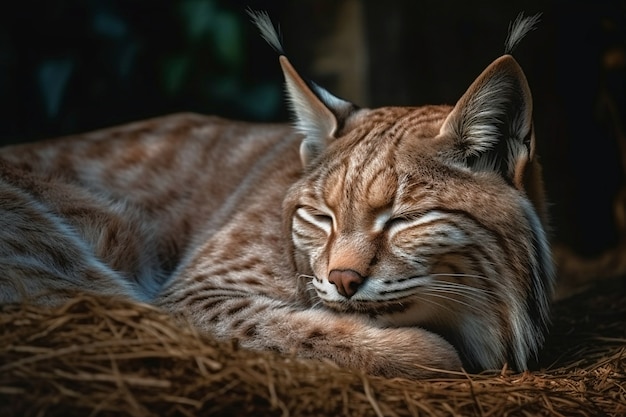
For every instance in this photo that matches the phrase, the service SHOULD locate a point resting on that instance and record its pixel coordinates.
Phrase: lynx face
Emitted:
(429, 216)
(390, 225)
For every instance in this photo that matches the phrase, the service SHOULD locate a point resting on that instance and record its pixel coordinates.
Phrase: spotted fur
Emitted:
(396, 240)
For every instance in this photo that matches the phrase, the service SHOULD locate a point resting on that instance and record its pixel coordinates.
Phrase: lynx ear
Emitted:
(492, 123)
(319, 114)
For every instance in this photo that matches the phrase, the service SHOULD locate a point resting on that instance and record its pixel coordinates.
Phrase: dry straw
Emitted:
(99, 357)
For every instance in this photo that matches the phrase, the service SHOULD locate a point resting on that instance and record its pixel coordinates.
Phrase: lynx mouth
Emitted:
(370, 308)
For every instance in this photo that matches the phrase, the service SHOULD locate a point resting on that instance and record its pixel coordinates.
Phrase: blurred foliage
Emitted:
(71, 65)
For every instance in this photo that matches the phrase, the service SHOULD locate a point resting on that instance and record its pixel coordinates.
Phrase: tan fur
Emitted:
(431, 216)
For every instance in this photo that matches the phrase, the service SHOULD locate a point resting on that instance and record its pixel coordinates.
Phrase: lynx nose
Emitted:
(347, 281)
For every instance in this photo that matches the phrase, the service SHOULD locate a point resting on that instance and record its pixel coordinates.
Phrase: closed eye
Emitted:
(401, 221)
(315, 217)
(396, 221)
(323, 218)
(386, 220)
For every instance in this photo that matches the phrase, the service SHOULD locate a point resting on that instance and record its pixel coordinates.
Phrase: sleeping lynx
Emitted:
(376, 238)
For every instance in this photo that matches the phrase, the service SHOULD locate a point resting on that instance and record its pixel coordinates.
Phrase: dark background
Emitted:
(68, 66)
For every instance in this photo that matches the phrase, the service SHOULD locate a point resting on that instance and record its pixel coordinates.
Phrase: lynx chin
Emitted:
(402, 241)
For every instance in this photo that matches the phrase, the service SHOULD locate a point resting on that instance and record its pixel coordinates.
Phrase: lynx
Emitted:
(400, 241)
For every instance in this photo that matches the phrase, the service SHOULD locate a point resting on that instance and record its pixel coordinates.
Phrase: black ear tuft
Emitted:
(518, 29)
(319, 114)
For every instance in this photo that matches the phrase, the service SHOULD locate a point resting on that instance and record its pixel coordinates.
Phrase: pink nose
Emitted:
(347, 281)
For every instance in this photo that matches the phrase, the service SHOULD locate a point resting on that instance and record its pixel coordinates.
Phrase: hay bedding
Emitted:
(101, 357)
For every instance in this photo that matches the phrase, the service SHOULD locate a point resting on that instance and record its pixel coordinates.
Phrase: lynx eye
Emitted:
(386, 221)
(315, 217)
(399, 222)
(396, 221)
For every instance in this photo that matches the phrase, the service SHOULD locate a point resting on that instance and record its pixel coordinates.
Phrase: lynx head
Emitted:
(427, 216)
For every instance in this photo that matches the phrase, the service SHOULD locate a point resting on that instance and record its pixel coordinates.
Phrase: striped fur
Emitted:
(394, 240)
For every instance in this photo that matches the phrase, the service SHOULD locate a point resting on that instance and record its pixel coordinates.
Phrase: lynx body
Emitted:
(395, 240)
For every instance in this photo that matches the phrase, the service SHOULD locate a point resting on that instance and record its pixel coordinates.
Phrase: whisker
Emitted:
(461, 275)
(478, 308)
(459, 293)
(462, 288)
(301, 276)
(436, 304)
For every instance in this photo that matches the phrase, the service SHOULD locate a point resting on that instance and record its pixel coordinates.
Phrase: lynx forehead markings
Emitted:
(395, 240)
